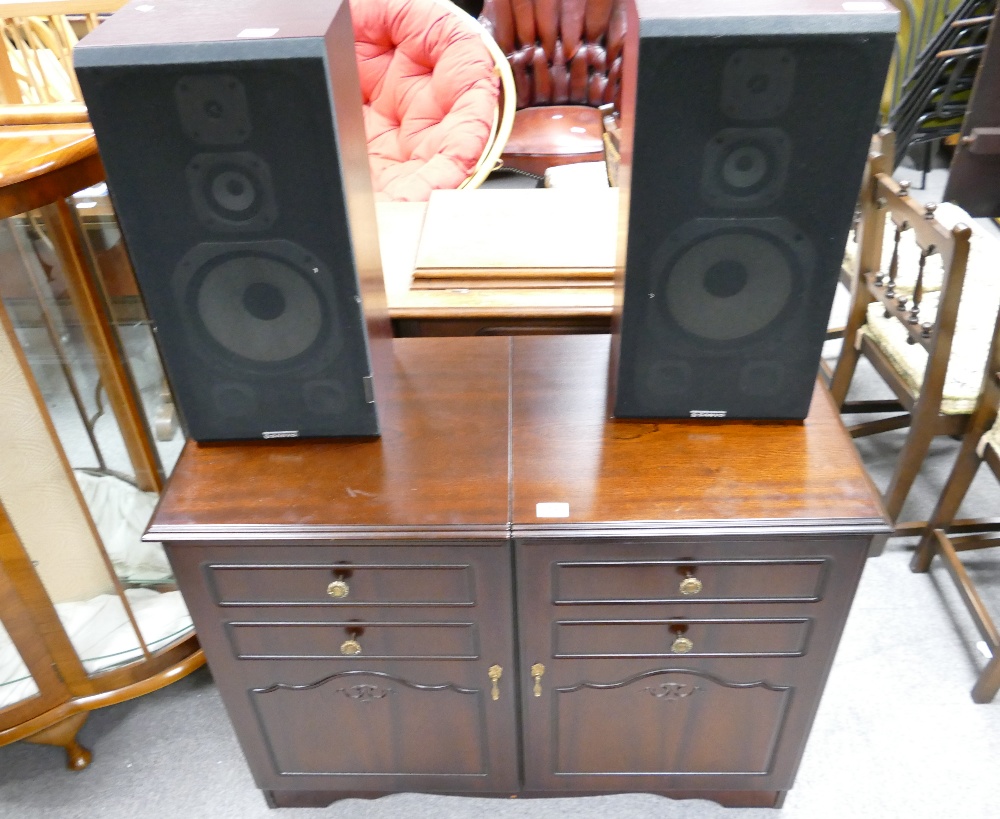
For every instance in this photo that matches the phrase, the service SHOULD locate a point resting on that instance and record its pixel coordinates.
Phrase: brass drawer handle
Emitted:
(494, 674)
(350, 647)
(681, 645)
(537, 670)
(338, 589)
(690, 585)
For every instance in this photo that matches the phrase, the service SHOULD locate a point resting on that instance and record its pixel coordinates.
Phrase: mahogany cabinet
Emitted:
(510, 593)
(354, 597)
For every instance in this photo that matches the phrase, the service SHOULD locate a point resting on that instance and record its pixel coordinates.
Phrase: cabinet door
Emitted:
(427, 726)
(29, 684)
(404, 680)
(630, 686)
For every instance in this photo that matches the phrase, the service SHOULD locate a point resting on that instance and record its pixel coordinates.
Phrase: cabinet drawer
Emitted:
(353, 640)
(785, 637)
(339, 584)
(661, 581)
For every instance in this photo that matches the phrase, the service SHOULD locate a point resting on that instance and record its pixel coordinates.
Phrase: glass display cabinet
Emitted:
(89, 614)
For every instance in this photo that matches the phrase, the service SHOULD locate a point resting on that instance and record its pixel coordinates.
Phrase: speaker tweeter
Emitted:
(213, 108)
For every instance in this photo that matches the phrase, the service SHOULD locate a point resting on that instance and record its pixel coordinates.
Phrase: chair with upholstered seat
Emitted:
(567, 62)
(437, 94)
(981, 444)
(925, 298)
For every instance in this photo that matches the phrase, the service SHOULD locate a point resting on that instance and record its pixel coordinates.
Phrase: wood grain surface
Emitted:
(441, 460)
(40, 162)
(630, 472)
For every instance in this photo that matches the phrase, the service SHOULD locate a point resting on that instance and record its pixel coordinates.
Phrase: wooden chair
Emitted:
(981, 443)
(36, 65)
(924, 301)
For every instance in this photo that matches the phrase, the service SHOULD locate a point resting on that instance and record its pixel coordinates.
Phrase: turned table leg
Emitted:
(63, 734)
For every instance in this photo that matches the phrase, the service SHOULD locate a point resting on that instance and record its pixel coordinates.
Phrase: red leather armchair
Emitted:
(566, 57)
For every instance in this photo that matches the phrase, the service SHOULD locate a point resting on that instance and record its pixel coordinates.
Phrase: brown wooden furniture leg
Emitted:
(918, 442)
(964, 470)
(988, 684)
(63, 734)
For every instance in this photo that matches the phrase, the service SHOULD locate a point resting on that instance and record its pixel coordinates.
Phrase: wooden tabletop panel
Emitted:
(441, 464)
(629, 474)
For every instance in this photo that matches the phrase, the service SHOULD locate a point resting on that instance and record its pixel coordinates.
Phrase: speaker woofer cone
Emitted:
(722, 281)
(267, 304)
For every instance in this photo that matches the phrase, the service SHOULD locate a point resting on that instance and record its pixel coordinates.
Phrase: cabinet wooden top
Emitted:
(668, 475)
(440, 466)
(452, 436)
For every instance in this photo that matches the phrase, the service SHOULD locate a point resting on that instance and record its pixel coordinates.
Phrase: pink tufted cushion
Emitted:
(430, 95)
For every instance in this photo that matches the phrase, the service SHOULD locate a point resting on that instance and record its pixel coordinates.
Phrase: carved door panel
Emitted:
(426, 723)
(655, 728)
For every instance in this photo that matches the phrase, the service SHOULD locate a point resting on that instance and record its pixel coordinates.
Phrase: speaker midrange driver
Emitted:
(232, 191)
(745, 167)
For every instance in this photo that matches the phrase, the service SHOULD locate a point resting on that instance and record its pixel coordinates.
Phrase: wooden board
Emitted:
(518, 235)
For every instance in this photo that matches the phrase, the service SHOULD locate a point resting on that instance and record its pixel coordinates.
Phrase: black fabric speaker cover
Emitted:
(233, 142)
(746, 127)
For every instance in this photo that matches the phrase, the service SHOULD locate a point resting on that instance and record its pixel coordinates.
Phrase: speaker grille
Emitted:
(243, 244)
(747, 154)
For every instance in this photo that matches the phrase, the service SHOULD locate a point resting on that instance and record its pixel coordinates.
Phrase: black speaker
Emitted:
(233, 142)
(745, 130)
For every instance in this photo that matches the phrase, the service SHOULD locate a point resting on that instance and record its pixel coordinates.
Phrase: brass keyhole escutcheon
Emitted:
(494, 673)
(681, 645)
(338, 589)
(690, 585)
(350, 647)
(537, 670)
